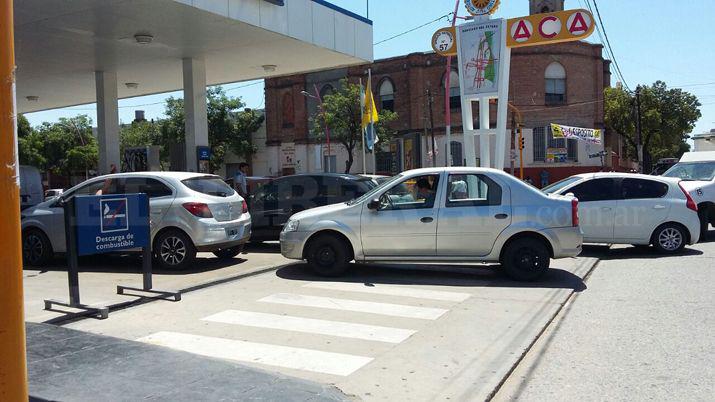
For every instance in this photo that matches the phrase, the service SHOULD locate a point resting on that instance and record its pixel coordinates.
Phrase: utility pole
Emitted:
(431, 128)
(512, 151)
(13, 367)
(639, 138)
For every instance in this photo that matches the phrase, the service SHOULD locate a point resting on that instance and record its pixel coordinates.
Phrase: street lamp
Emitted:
(322, 111)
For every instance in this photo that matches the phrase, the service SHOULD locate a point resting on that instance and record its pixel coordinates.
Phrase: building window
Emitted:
(553, 150)
(387, 95)
(327, 89)
(455, 101)
(457, 158)
(555, 80)
(288, 113)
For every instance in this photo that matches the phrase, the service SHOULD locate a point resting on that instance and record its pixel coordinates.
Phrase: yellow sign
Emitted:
(481, 7)
(542, 29)
(444, 41)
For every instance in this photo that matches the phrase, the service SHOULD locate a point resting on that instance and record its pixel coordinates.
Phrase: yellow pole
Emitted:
(13, 369)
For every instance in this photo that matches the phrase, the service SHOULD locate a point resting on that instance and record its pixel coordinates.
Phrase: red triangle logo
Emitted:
(522, 31)
(578, 26)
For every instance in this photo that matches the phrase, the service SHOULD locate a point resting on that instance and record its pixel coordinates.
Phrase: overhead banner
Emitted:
(542, 29)
(589, 135)
(479, 48)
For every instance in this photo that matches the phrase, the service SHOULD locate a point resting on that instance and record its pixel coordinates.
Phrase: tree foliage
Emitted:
(342, 114)
(230, 128)
(667, 117)
(65, 147)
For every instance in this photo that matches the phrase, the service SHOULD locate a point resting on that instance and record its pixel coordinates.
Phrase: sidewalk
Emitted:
(71, 365)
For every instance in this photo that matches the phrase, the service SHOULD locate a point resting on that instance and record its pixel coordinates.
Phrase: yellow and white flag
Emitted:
(369, 117)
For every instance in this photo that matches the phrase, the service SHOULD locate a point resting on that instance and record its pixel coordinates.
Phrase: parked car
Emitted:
(440, 215)
(30, 187)
(253, 183)
(189, 212)
(282, 197)
(633, 209)
(52, 193)
(377, 178)
(663, 165)
(697, 170)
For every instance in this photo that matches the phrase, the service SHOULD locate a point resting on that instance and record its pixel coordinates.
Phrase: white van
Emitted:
(697, 170)
(30, 187)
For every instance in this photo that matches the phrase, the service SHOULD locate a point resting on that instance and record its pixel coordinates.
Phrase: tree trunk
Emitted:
(349, 162)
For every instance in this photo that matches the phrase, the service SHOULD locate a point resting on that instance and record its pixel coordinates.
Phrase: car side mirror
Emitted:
(374, 204)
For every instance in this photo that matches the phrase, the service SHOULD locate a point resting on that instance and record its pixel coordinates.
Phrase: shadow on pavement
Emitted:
(128, 263)
(643, 252)
(262, 247)
(436, 275)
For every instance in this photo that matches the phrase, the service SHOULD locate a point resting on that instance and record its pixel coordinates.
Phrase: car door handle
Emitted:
(501, 216)
(659, 207)
(427, 219)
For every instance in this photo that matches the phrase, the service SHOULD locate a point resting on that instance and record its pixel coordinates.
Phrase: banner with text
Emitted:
(589, 135)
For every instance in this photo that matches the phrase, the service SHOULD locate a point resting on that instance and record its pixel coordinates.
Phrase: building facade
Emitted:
(559, 83)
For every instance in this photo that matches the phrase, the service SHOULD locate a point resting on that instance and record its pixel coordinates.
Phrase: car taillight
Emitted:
(198, 209)
(690, 203)
(574, 212)
(244, 207)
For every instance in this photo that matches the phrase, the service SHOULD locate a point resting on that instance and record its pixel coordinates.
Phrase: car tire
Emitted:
(328, 256)
(174, 250)
(703, 214)
(36, 248)
(228, 253)
(525, 259)
(669, 238)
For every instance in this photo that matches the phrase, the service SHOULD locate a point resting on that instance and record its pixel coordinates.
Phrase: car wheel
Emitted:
(228, 253)
(669, 238)
(36, 248)
(704, 222)
(328, 256)
(174, 250)
(525, 259)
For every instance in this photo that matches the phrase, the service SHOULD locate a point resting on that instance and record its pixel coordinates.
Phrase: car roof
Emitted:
(347, 176)
(624, 175)
(165, 175)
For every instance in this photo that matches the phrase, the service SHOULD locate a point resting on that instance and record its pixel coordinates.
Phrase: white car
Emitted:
(633, 209)
(697, 170)
(439, 215)
(189, 212)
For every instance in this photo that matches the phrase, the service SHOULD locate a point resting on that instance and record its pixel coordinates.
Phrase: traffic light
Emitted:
(521, 143)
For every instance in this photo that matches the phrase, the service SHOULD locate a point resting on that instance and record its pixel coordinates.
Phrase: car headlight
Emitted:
(291, 226)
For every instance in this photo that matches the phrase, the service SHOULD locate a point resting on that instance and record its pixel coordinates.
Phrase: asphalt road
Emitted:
(378, 334)
(642, 331)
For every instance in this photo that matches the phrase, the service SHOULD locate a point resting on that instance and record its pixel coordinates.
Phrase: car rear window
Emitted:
(209, 185)
(641, 188)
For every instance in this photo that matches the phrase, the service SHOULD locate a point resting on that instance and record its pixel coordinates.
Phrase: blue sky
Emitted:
(651, 39)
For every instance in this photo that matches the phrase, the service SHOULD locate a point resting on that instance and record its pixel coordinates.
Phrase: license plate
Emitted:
(230, 232)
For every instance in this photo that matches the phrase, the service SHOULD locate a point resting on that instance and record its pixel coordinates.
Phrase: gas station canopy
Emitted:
(60, 44)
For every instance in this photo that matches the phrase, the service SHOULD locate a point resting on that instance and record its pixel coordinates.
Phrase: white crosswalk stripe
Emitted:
(395, 310)
(252, 352)
(312, 326)
(390, 290)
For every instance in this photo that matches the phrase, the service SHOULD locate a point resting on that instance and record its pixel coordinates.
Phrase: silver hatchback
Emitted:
(189, 212)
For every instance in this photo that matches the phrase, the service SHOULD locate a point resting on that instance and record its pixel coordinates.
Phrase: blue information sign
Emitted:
(111, 222)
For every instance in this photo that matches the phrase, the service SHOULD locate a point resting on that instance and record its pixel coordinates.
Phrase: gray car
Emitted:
(189, 212)
(440, 215)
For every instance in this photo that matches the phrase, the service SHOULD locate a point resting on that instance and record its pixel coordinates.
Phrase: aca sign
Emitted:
(542, 29)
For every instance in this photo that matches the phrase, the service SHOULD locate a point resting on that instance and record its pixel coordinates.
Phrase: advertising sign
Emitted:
(111, 222)
(287, 155)
(542, 29)
(589, 135)
(479, 47)
(556, 155)
(444, 41)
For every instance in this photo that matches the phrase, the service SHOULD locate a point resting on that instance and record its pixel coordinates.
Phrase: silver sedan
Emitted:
(189, 212)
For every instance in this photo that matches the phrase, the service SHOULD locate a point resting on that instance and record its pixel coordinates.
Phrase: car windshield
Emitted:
(375, 190)
(692, 171)
(209, 185)
(554, 188)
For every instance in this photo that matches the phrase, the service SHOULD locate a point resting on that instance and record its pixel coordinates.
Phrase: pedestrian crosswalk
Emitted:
(388, 317)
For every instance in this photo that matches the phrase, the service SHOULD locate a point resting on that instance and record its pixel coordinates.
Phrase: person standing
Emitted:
(239, 180)
(544, 177)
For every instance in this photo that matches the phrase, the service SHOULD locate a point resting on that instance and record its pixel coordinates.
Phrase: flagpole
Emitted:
(362, 132)
(372, 121)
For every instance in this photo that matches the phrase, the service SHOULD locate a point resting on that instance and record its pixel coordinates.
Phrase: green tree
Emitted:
(342, 114)
(230, 128)
(23, 127)
(65, 147)
(668, 115)
(144, 133)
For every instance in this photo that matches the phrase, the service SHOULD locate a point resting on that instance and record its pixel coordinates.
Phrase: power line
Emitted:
(412, 30)
(608, 43)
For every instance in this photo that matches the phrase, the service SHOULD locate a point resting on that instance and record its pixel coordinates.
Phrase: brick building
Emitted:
(560, 83)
